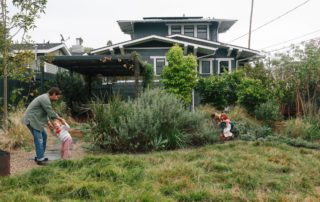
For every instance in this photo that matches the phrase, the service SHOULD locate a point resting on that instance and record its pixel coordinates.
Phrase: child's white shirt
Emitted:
(226, 130)
(63, 135)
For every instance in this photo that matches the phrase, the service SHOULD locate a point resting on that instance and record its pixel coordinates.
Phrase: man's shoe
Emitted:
(45, 159)
(42, 163)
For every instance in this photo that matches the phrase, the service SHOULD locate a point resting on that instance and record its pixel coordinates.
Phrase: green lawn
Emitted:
(234, 171)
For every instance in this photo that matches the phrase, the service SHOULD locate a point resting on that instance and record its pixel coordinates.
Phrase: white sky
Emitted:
(95, 21)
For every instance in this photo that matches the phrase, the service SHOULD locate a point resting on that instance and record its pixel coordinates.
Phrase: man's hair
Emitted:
(54, 90)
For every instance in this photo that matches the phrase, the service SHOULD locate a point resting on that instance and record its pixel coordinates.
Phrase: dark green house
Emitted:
(152, 37)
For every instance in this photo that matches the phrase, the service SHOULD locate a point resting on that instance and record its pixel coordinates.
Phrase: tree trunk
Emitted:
(5, 64)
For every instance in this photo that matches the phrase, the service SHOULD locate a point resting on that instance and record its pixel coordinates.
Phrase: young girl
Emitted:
(226, 127)
(60, 127)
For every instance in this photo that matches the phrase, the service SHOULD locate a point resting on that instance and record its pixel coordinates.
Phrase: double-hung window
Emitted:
(202, 32)
(205, 67)
(224, 66)
(175, 29)
(189, 30)
(158, 64)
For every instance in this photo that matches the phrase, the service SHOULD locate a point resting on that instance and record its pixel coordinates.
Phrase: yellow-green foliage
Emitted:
(305, 128)
(238, 113)
(17, 135)
(234, 171)
(296, 127)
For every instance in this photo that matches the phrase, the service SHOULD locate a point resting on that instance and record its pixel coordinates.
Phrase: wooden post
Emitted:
(89, 85)
(136, 73)
(42, 76)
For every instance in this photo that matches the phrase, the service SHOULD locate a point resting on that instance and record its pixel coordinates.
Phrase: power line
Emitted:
(274, 19)
(283, 42)
(290, 45)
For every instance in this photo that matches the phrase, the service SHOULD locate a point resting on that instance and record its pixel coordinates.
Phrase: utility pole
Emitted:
(249, 40)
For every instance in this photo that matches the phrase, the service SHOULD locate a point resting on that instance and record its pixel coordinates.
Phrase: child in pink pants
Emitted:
(61, 127)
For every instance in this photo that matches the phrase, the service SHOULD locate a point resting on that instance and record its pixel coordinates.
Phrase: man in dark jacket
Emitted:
(37, 116)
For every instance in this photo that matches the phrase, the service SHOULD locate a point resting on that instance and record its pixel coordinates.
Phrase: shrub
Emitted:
(250, 93)
(268, 112)
(154, 121)
(73, 90)
(219, 91)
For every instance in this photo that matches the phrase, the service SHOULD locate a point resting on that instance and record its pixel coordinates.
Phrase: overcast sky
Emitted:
(95, 21)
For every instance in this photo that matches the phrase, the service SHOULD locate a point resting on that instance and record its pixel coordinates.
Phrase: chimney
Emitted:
(77, 49)
(79, 41)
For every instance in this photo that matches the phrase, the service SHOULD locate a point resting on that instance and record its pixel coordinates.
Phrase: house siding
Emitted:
(147, 29)
(213, 31)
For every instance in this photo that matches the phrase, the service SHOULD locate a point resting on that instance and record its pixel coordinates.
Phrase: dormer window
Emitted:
(189, 30)
(176, 29)
(202, 32)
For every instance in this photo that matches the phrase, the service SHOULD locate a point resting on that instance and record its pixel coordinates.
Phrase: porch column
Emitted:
(121, 50)
(195, 50)
(185, 50)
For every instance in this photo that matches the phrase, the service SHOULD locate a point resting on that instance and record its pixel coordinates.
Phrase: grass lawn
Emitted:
(234, 171)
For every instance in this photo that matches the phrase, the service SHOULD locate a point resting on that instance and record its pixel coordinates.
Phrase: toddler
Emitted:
(60, 128)
(226, 127)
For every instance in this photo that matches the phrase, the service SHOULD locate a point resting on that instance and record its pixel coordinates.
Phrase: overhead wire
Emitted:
(274, 50)
(271, 21)
(283, 42)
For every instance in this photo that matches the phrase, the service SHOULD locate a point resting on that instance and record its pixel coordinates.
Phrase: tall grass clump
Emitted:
(155, 120)
(305, 128)
(17, 135)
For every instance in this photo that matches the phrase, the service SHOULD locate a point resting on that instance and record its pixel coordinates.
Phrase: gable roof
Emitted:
(127, 26)
(44, 48)
(151, 38)
(212, 43)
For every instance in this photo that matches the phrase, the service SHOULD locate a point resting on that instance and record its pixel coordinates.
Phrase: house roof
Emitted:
(151, 38)
(127, 26)
(92, 65)
(41, 47)
(246, 51)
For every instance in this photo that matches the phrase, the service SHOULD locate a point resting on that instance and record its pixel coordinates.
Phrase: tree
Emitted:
(21, 21)
(299, 69)
(180, 76)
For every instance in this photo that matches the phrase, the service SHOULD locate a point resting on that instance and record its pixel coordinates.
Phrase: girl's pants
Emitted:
(65, 147)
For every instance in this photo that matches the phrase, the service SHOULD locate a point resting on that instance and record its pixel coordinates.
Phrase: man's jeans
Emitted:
(40, 142)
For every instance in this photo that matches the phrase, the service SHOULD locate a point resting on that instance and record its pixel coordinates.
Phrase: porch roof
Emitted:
(93, 65)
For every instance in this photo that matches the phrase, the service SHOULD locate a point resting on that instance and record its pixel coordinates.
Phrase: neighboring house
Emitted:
(152, 37)
(44, 49)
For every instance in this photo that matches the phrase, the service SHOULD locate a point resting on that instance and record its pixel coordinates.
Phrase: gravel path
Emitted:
(22, 161)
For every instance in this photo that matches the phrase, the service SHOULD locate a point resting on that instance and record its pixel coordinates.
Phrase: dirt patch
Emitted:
(22, 161)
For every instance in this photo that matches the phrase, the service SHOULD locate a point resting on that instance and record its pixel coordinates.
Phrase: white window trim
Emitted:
(154, 58)
(210, 63)
(229, 60)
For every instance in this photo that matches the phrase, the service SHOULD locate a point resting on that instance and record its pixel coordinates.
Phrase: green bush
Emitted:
(268, 112)
(251, 93)
(154, 121)
(73, 90)
(219, 91)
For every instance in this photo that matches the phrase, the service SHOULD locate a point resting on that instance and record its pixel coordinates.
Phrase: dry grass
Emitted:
(18, 134)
